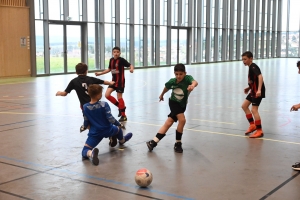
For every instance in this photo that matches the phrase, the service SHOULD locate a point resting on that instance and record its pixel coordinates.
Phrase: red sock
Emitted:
(113, 100)
(258, 124)
(122, 106)
(250, 118)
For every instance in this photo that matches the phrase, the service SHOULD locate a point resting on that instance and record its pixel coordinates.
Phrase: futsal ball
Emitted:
(143, 177)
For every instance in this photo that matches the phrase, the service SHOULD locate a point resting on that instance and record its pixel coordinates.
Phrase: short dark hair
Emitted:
(81, 68)
(298, 64)
(94, 90)
(116, 48)
(248, 54)
(179, 67)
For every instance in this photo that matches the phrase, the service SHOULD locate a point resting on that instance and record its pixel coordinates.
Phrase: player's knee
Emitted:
(182, 120)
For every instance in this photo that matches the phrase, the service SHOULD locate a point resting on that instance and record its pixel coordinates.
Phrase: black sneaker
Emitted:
(113, 141)
(178, 148)
(127, 137)
(123, 119)
(151, 144)
(94, 158)
(296, 166)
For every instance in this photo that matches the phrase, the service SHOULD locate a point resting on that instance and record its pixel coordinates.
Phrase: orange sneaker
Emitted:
(251, 128)
(257, 134)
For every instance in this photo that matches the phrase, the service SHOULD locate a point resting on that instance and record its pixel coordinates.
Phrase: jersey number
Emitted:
(85, 86)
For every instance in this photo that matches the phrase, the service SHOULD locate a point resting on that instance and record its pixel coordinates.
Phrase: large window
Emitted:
(163, 32)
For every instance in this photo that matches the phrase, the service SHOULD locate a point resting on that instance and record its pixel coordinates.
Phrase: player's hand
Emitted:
(131, 70)
(57, 93)
(122, 126)
(98, 73)
(295, 107)
(246, 90)
(111, 82)
(190, 88)
(82, 128)
(258, 93)
(161, 98)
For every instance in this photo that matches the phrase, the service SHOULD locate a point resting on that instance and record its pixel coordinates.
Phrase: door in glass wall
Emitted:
(56, 48)
(64, 47)
(179, 46)
(73, 47)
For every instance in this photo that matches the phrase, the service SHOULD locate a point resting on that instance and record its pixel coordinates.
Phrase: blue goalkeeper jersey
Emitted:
(99, 117)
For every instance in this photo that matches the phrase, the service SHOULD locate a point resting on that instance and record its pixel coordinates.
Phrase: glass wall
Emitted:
(157, 32)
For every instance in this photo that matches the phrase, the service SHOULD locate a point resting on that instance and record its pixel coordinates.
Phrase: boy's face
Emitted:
(116, 53)
(179, 76)
(247, 61)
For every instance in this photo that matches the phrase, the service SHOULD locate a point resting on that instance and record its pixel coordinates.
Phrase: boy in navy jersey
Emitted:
(102, 124)
(181, 87)
(295, 107)
(257, 92)
(80, 85)
(116, 67)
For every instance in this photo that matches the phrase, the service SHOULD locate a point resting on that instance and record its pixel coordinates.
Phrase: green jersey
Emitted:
(179, 90)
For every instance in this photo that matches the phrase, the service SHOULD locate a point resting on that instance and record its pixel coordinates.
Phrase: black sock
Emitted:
(178, 136)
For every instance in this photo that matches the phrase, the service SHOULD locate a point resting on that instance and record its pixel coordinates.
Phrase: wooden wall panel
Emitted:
(20, 3)
(14, 25)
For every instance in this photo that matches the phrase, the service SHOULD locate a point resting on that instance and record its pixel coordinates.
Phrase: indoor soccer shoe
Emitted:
(251, 128)
(123, 119)
(151, 144)
(257, 134)
(94, 158)
(178, 148)
(113, 141)
(296, 166)
(127, 137)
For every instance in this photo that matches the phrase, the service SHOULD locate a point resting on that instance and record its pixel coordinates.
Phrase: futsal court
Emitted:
(40, 151)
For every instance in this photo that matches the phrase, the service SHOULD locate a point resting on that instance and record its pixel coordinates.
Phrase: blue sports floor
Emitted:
(40, 151)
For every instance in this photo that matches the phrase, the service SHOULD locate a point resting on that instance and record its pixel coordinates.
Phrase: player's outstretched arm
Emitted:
(103, 72)
(131, 68)
(61, 93)
(295, 107)
(109, 82)
(161, 96)
(192, 86)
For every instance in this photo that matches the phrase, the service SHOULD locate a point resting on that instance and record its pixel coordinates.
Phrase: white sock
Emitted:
(156, 139)
(89, 153)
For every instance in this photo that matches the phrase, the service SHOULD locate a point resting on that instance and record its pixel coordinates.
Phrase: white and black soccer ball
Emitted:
(143, 177)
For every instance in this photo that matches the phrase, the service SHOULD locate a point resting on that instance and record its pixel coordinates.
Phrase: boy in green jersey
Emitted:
(181, 87)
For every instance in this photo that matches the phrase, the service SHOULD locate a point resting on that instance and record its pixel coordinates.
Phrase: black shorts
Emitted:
(175, 109)
(254, 101)
(117, 89)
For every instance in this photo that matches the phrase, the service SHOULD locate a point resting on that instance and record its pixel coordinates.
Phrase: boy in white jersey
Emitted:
(181, 87)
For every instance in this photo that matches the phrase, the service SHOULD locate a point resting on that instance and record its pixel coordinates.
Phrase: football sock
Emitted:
(258, 124)
(250, 118)
(86, 152)
(158, 137)
(178, 136)
(113, 100)
(122, 106)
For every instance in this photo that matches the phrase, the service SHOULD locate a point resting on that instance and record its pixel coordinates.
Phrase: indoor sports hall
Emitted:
(40, 138)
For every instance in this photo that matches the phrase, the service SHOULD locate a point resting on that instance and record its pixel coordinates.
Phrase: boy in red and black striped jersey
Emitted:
(257, 92)
(116, 67)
